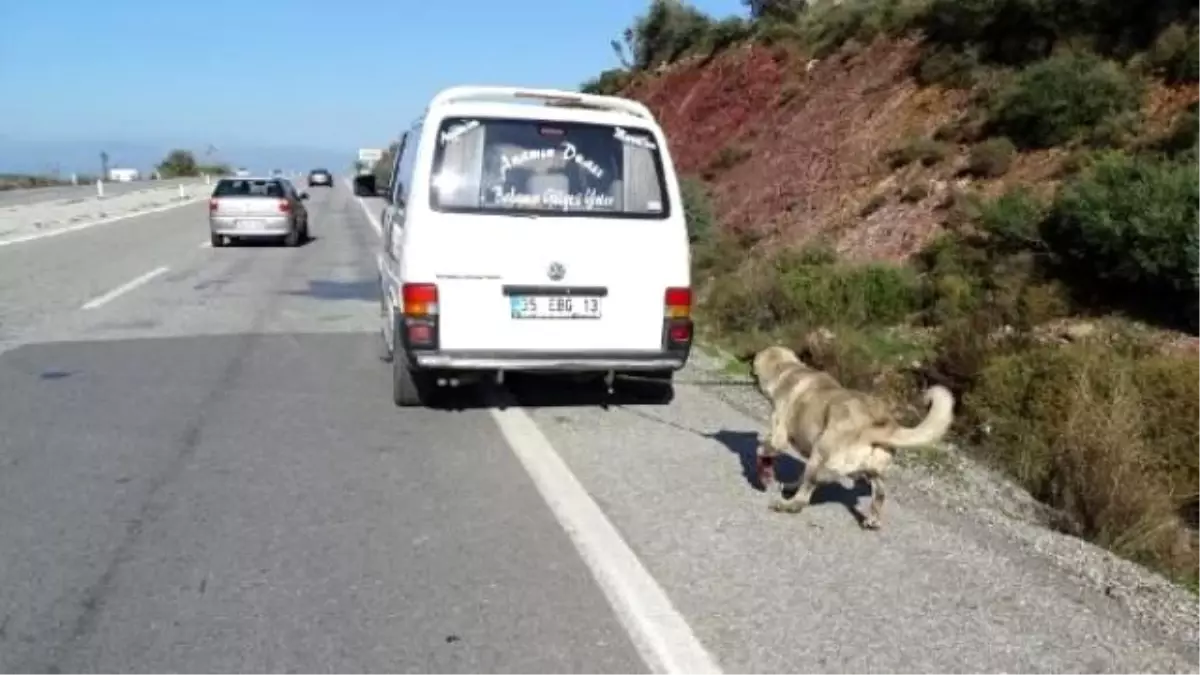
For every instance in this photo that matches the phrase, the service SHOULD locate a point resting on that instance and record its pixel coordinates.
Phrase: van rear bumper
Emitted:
(551, 361)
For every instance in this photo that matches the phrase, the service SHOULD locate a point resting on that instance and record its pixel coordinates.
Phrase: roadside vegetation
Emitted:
(182, 164)
(1062, 311)
(20, 181)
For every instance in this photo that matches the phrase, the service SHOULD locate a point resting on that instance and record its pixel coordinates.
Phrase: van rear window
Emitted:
(236, 187)
(492, 165)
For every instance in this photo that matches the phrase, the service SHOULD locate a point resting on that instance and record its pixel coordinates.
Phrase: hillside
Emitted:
(999, 195)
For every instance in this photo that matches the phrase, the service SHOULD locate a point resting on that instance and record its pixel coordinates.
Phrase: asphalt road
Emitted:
(202, 470)
(9, 198)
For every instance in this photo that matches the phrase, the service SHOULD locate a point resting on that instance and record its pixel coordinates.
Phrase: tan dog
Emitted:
(839, 432)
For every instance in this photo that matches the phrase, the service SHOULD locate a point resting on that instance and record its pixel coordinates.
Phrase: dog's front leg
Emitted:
(768, 448)
(807, 484)
(875, 510)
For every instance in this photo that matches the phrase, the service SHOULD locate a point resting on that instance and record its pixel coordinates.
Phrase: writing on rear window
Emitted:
(633, 139)
(498, 166)
(553, 199)
(566, 150)
(458, 131)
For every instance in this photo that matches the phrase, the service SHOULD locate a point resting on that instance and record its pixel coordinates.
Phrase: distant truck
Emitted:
(364, 180)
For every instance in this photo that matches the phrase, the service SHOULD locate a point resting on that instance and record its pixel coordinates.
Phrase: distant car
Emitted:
(320, 177)
(277, 173)
(241, 173)
(257, 208)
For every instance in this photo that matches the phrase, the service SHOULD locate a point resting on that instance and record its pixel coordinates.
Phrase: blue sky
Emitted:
(333, 74)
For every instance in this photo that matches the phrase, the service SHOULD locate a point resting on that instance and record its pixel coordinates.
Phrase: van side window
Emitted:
(408, 160)
(396, 193)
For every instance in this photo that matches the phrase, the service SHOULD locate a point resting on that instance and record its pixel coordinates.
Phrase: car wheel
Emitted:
(217, 240)
(292, 239)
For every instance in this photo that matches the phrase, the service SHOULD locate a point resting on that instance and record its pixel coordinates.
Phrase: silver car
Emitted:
(257, 208)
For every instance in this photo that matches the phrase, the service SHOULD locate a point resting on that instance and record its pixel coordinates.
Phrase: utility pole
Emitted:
(103, 165)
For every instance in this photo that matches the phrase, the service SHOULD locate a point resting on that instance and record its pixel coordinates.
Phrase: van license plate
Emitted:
(249, 225)
(554, 307)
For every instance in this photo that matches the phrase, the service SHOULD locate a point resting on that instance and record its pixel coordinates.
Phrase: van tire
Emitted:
(217, 240)
(410, 387)
(292, 238)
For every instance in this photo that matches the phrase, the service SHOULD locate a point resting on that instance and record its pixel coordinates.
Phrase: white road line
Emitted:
(124, 288)
(662, 636)
(83, 226)
(365, 209)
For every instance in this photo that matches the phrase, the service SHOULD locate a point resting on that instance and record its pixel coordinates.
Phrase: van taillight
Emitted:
(214, 205)
(284, 206)
(678, 303)
(419, 299)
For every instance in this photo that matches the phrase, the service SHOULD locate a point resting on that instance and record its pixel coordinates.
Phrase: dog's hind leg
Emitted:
(878, 494)
(806, 485)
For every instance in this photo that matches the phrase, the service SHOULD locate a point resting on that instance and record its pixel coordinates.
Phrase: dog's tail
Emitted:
(930, 430)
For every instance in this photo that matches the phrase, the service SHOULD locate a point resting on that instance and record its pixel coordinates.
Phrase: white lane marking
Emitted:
(662, 636)
(374, 222)
(124, 288)
(94, 223)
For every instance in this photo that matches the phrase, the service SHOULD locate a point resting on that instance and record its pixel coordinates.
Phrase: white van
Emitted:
(533, 230)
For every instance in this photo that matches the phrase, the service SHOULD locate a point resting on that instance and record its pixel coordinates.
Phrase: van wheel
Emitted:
(292, 239)
(218, 241)
(410, 387)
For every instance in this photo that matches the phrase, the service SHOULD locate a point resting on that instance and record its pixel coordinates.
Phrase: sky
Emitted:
(332, 74)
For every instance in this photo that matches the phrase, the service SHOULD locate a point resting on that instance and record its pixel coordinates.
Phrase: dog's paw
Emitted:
(780, 505)
(764, 469)
(870, 523)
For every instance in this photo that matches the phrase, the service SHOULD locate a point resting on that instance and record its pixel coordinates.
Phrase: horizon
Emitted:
(121, 62)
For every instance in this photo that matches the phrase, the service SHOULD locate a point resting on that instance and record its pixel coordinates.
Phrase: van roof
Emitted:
(522, 102)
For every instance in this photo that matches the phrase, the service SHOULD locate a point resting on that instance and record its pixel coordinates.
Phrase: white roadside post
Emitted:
(100, 188)
(182, 194)
(74, 179)
(207, 179)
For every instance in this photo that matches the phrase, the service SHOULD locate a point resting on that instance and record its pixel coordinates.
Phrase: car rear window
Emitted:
(503, 166)
(237, 187)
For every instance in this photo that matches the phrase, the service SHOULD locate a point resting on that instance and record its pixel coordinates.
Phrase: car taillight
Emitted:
(678, 303)
(213, 205)
(284, 206)
(419, 299)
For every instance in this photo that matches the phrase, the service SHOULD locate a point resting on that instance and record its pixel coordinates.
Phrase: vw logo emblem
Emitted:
(556, 271)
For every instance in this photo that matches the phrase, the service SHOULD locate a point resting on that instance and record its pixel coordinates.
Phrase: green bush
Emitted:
(948, 66)
(1061, 99)
(697, 209)
(810, 288)
(991, 158)
(1107, 438)
(1173, 54)
(1129, 223)
(665, 33)
(1012, 220)
(916, 149)
(608, 83)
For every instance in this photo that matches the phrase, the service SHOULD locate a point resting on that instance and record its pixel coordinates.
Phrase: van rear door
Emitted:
(561, 235)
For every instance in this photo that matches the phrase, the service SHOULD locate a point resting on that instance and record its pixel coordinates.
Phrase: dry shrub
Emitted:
(1107, 438)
